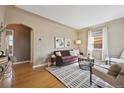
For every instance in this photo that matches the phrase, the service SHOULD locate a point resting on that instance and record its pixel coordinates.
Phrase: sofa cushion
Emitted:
(73, 53)
(114, 69)
(65, 52)
(58, 53)
(76, 51)
(69, 58)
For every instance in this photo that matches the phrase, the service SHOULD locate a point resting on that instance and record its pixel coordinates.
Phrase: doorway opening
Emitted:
(20, 42)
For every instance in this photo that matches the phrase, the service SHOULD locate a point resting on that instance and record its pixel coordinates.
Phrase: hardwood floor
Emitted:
(27, 77)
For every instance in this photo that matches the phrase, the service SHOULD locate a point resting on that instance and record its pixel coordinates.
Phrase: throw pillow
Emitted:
(73, 53)
(114, 69)
(58, 54)
(53, 56)
(122, 55)
(76, 51)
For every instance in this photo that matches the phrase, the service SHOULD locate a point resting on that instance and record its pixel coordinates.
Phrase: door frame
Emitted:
(7, 45)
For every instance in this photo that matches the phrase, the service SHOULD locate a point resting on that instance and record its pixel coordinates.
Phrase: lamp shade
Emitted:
(78, 42)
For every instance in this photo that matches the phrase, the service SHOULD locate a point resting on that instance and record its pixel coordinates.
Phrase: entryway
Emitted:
(20, 45)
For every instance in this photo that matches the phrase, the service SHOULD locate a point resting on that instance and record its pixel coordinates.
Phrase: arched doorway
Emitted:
(21, 42)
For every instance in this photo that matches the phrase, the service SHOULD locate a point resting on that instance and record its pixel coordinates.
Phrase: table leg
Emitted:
(91, 74)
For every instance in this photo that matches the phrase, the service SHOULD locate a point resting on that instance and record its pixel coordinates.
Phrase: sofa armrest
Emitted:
(103, 75)
(81, 53)
(59, 60)
(120, 77)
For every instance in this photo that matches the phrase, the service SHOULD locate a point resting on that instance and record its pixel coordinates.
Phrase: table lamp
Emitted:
(78, 42)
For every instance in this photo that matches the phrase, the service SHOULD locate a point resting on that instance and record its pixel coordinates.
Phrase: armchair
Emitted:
(114, 75)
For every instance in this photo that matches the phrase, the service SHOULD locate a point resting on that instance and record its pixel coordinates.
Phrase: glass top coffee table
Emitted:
(86, 64)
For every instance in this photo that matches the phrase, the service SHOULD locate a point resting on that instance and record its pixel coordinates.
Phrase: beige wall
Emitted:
(2, 13)
(42, 28)
(115, 37)
(83, 36)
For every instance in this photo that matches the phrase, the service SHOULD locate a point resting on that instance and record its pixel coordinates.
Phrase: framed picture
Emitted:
(59, 42)
(67, 42)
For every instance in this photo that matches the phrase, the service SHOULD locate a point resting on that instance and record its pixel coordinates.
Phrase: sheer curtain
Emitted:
(104, 49)
(105, 44)
(90, 43)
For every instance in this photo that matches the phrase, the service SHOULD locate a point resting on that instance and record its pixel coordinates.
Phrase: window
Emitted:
(98, 43)
(97, 39)
(10, 40)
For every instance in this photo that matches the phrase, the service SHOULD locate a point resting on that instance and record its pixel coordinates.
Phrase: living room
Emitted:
(97, 38)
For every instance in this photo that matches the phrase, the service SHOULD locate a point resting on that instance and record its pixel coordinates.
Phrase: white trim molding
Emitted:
(40, 65)
(21, 62)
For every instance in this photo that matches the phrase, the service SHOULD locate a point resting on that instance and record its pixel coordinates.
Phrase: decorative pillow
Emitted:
(73, 53)
(53, 56)
(122, 55)
(1, 53)
(76, 51)
(58, 54)
(114, 69)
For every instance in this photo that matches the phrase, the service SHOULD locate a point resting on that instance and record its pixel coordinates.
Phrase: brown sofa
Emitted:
(65, 58)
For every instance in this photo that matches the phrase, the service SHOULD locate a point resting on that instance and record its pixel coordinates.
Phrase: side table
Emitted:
(52, 60)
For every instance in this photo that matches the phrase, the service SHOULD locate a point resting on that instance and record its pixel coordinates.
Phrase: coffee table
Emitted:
(91, 59)
(86, 64)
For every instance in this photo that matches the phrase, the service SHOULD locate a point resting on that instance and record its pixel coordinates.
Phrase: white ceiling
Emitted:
(77, 16)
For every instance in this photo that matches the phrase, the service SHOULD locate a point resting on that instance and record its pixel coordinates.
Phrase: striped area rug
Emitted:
(74, 77)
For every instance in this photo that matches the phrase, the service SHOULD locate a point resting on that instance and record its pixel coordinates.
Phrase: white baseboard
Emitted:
(40, 65)
(21, 62)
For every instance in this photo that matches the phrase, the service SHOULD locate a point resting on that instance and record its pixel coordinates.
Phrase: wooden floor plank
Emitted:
(27, 77)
